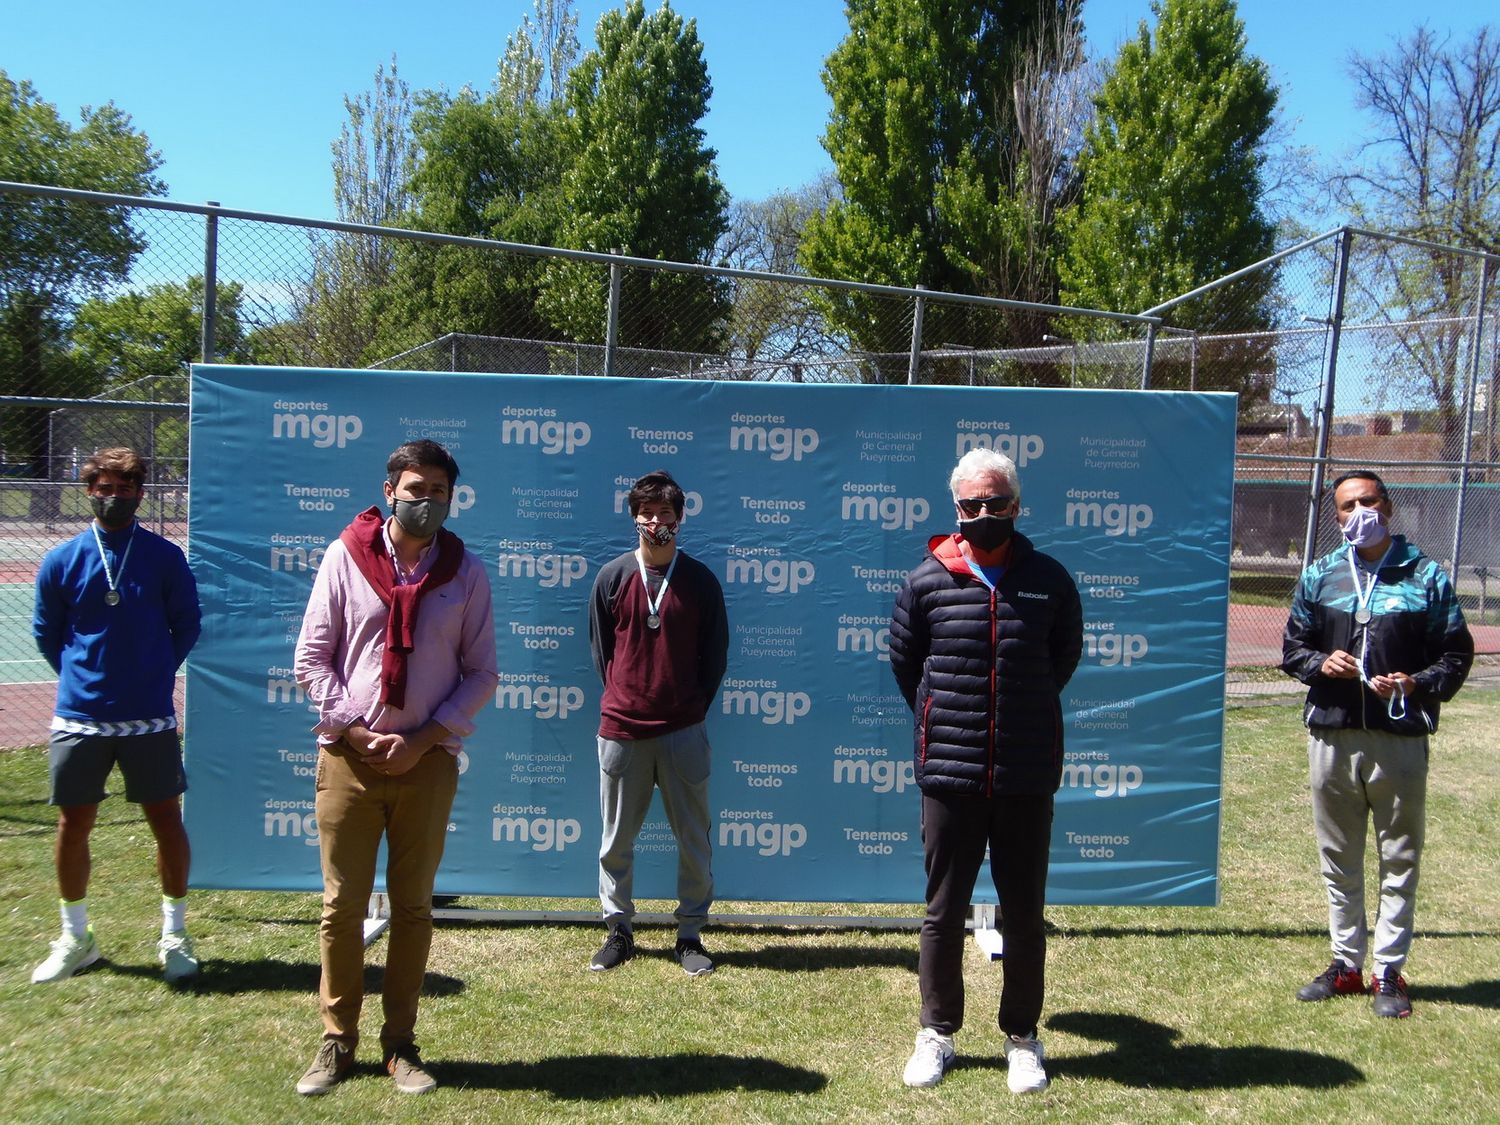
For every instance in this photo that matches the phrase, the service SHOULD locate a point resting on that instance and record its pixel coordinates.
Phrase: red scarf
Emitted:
(365, 539)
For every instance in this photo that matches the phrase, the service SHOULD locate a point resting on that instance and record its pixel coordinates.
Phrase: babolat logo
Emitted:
(307, 421)
(296, 820)
(1103, 644)
(1104, 778)
(761, 698)
(532, 558)
(881, 774)
(282, 688)
(532, 691)
(768, 433)
(1086, 510)
(539, 425)
(757, 830)
(1020, 448)
(530, 824)
(865, 634)
(879, 504)
(297, 552)
(777, 575)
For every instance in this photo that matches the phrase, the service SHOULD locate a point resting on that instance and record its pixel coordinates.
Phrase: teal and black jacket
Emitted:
(1416, 627)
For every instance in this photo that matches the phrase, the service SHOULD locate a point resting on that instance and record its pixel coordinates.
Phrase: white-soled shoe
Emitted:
(1023, 1058)
(931, 1059)
(69, 954)
(178, 961)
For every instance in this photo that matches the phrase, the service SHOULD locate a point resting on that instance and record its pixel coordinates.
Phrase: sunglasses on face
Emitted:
(994, 505)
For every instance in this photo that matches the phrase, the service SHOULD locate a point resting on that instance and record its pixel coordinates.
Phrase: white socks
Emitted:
(173, 915)
(75, 917)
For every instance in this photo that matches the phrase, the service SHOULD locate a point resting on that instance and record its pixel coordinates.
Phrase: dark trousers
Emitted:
(955, 830)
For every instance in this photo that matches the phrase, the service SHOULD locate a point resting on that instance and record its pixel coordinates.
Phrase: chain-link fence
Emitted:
(1348, 349)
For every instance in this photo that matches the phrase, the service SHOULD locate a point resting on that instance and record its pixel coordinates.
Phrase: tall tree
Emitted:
(641, 181)
(940, 142)
(337, 313)
(487, 166)
(1430, 170)
(774, 323)
(52, 252)
(1172, 184)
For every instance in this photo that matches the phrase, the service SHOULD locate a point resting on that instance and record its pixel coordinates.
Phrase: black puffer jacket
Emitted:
(983, 671)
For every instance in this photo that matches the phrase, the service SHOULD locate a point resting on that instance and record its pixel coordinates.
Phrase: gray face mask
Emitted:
(420, 518)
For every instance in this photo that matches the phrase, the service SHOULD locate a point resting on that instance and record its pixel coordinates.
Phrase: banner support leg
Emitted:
(378, 918)
(987, 930)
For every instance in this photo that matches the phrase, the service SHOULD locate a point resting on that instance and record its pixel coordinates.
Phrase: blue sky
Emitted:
(243, 101)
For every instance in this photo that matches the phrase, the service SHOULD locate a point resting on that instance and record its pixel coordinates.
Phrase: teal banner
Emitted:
(811, 504)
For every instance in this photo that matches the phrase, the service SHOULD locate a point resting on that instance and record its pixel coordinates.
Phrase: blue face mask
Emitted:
(1365, 527)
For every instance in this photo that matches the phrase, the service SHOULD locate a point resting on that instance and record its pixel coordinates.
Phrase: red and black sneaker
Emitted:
(1338, 979)
(1391, 999)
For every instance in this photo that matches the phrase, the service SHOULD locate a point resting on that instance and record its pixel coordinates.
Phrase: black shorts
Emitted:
(150, 763)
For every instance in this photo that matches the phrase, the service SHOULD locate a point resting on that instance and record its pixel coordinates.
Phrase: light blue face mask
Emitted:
(1364, 528)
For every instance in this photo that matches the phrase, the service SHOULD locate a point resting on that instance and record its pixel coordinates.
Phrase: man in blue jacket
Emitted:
(1377, 636)
(116, 613)
(986, 634)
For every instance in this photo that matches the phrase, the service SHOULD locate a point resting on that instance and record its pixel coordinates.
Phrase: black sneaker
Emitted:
(618, 948)
(1391, 1000)
(693, 958)
(1336, 980)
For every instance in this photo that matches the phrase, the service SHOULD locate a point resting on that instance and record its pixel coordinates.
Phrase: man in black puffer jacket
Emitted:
(986, 634)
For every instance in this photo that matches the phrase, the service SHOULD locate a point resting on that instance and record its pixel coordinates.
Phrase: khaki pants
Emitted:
(355, 807)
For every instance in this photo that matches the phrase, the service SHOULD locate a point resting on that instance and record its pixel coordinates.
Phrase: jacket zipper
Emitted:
(989, 780)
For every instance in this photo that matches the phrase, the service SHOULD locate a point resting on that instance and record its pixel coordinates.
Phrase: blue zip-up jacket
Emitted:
(115, 663)
(1416, 627)
(983, 671)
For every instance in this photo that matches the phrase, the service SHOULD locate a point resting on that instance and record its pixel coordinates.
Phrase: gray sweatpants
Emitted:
(678, 765)
(1358, 775)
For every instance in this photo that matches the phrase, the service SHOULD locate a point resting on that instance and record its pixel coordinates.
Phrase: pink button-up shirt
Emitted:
(450, 673)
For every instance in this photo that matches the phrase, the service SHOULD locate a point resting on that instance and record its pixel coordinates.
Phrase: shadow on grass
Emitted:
(607, 1077)
(1230, 932)
(1144, 1055)
(231, 978)
(1475, 994)
(800, 959)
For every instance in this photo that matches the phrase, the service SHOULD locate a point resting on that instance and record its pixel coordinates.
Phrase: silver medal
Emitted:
(1362, 615)
(112, 598)
(653, 621)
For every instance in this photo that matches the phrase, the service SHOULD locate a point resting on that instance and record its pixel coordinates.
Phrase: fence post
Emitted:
(1475, 351)
(916, 339)
(210, 283)
(1325, 411)
(1149, 357)
(612, 327)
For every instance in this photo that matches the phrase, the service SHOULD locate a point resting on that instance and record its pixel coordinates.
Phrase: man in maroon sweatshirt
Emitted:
(660, 640)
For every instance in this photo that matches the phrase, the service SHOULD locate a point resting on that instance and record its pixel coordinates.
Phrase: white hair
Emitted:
(984, 463)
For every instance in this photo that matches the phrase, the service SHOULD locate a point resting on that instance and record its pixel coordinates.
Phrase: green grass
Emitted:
(1151, 1014)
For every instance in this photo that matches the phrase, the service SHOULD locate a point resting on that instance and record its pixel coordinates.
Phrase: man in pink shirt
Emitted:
(398, 654)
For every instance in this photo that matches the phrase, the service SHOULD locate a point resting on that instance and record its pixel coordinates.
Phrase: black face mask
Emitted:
(987, 532)
(114, 511)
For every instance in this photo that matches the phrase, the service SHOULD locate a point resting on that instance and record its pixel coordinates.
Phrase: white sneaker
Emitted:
(69, 954)
(1024, 1059)
(178, 961)
(930, 1061)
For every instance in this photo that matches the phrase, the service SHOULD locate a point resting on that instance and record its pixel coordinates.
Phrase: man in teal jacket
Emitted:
(1377, 635)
